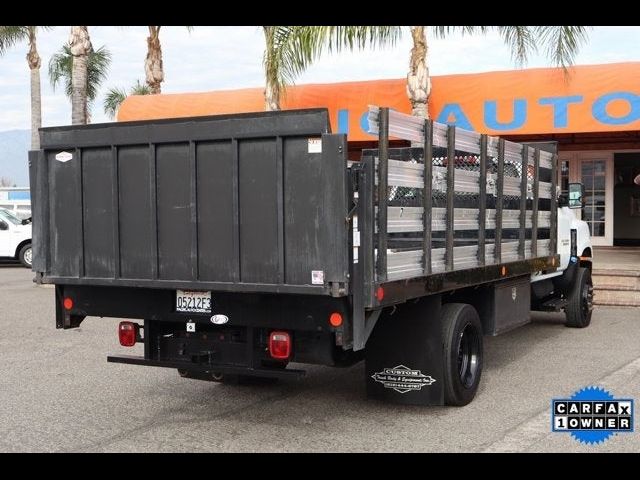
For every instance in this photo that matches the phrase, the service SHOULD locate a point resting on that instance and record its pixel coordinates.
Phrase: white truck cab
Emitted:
(15, 238)
(570, 287)
(567, 222)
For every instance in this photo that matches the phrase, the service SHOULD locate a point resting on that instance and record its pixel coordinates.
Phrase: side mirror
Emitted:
(576, 195)
(563, 200)
(4, 225)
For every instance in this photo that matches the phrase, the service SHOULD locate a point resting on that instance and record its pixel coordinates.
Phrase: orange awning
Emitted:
(592, 98)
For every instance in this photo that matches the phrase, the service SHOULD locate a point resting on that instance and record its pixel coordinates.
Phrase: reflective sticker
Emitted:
(317, 277)
(314, 145)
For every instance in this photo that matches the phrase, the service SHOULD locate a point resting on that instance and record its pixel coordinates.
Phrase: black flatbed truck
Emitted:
(248, 242)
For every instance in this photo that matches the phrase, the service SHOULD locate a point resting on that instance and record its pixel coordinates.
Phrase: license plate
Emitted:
(193, 302)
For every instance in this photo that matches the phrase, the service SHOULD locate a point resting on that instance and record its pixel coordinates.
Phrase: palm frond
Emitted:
(444, 31)
(521, 40)
(113, 100)
(115, 96)
(562, 43)
(10, 35)
(98, 63)
(360, 36)
(140, 89)
(291, 49)
(61, 67)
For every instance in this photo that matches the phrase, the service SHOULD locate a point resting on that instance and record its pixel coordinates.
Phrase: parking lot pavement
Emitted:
(57, 393)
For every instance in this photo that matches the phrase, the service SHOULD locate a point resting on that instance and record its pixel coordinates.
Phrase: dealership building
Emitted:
(592, 111)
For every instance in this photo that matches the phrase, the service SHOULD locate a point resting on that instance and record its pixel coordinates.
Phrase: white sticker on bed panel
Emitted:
(315, 145)
(64, 157)
(317, 277)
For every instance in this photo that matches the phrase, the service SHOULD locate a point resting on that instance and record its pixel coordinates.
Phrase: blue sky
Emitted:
(212, 58)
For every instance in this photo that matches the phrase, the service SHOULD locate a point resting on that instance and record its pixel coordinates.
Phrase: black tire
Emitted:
(26, 255)
(463, 353)
(580, 300)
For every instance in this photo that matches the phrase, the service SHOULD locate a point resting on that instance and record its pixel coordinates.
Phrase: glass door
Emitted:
(563, 180)
(596, 176)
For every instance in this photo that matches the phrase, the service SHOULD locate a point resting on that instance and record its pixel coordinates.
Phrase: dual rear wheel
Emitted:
(463, 353)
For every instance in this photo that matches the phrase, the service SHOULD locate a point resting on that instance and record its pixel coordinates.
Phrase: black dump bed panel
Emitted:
(250, 202)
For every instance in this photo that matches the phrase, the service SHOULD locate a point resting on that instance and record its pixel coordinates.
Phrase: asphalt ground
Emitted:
(58, 393)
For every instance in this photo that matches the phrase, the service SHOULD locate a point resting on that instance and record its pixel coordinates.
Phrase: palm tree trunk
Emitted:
(80, 45)
(33, 59)
(418, 80)
(153, 63)
(272, 86)
(271, 96)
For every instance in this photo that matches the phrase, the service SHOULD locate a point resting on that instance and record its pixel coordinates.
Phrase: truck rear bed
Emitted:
(243, 203)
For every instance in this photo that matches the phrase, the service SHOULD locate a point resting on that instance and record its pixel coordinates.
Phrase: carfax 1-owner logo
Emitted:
(592, 415)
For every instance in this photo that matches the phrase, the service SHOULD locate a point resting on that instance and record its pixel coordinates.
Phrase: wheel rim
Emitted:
(468, 355)
(28, 256)
(586, 300)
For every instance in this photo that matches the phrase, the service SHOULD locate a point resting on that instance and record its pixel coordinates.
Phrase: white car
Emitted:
(15, 238)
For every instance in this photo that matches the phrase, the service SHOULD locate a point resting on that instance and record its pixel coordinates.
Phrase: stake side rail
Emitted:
(457, 209)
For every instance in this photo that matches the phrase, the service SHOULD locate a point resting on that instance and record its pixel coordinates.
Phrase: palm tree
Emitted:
(9, 36)
(153, 62)
(62, 67)
(289, 50)
(115, 97)
(560, 43)
(79, 47)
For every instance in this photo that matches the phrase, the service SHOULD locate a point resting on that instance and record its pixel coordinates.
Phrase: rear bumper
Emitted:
(195, 368)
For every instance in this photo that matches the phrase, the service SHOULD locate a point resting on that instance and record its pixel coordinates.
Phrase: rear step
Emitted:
(192, 367)
(553, 305)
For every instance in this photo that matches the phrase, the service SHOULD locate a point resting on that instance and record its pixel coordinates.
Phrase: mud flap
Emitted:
(404, 355)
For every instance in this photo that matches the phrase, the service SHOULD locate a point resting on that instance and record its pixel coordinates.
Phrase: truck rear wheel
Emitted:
(580, 300)
(462, 345)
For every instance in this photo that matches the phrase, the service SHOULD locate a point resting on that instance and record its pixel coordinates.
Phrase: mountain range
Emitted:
(14, 163)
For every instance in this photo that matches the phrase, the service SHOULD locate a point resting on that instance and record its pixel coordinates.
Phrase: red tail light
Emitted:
(128, 333)
(280, 345)
(67, 303)
(335, 319)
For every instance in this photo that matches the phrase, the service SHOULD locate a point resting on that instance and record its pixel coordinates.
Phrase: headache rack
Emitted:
(480, 209)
